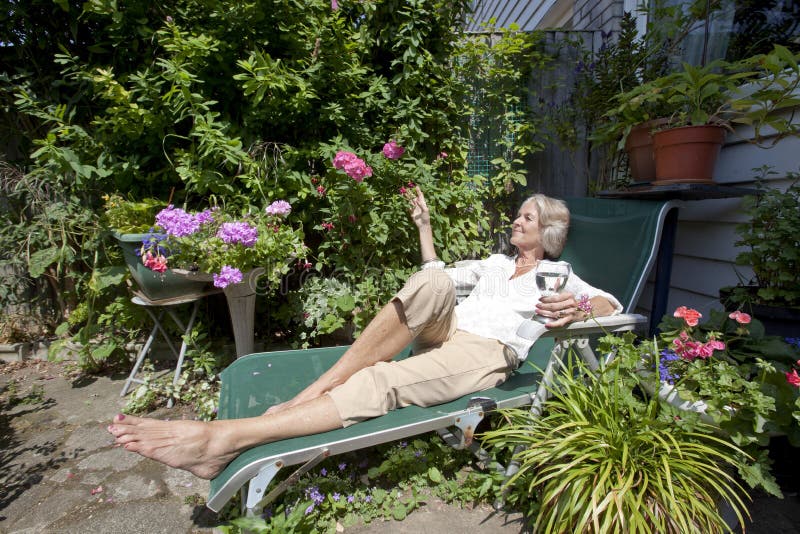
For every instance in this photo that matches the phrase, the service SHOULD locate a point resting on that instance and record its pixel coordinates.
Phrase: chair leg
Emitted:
(142, 354)
(182, 353)
(537, 405)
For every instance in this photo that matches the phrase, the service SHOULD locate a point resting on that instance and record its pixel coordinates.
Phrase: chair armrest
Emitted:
(598, 325)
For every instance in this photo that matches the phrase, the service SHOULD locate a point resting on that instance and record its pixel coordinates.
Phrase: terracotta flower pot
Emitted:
(687, 154)
(639, 147)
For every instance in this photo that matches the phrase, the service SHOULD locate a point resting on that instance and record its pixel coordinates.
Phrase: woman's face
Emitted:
(525, 233)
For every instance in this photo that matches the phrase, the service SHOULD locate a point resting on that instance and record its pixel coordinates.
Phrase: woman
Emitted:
(460, 349)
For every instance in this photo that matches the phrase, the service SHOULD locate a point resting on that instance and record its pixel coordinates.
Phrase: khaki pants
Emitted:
(448, 363)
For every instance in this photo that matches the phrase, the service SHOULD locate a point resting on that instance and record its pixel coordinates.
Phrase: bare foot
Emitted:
(202, 448)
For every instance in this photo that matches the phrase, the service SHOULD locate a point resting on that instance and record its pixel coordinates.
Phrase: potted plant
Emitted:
(700, 103)
(770, 238)
(170, 250)
(603, 458)
(130, 222)
(737, 378)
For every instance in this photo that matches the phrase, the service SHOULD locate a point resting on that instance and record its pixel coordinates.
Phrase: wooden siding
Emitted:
(526, 14)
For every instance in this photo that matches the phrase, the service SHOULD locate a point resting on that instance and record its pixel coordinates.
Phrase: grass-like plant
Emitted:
(603, 459)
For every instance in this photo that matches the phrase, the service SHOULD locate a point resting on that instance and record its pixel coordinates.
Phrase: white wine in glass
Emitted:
(551, 277)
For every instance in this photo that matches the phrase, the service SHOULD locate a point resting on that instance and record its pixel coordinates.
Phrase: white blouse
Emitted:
(497, 304)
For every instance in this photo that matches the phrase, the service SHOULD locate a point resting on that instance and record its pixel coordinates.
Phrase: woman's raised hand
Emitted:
(420, 213)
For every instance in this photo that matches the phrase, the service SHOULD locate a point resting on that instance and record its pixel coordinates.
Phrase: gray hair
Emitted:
(553, 223)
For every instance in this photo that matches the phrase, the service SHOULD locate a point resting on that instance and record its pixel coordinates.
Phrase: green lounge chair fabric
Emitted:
(612, 244)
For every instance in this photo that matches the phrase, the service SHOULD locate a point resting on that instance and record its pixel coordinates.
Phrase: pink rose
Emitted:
(358, 170)
(342, 158)
(392, 150)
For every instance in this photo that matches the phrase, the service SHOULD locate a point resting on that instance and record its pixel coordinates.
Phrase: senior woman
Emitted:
(460, 349)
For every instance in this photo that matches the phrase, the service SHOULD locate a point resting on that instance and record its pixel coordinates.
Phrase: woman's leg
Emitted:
(383, 338)
(426, 302)
(205, 448)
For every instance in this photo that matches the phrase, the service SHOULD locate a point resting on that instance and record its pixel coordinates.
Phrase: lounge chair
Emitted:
(613, 244)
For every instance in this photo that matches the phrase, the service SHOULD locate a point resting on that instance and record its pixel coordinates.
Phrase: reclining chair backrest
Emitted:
(609, 238)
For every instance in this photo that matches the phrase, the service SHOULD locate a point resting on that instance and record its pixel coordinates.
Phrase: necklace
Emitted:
(526, 263)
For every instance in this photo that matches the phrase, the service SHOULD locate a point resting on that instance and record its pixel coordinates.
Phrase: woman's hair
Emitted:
(553, 223)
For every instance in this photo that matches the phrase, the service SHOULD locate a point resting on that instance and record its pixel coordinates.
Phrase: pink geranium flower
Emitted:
(793, 378)
(740, 317)
(392, 150)
(689, 315)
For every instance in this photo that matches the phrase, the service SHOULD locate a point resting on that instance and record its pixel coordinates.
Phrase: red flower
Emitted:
(689, 315)
(320, 190)
(793, 378)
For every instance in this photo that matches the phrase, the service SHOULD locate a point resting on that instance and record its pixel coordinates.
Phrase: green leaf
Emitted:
(62, 329)
(107, 277)
(104, 351)
(41, 260)
(399, 512)
(434, 474)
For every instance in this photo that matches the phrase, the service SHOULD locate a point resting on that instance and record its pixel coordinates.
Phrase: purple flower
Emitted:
(323, 472)
(238, 232)
(280, 208)
(351, 498)
(314, 494)
(368, 498)
(205, 216)
(667, 356)
(417, 454)
(177, 222)
(336, 496)
(309, 509)
(227, 276)
(584, 304)
(342, 466)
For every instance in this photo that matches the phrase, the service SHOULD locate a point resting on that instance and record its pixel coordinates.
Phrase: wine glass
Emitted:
(551, 277)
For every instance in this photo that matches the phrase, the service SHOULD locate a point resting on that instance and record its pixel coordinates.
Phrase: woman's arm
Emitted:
(577, 302)
(421, 216)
